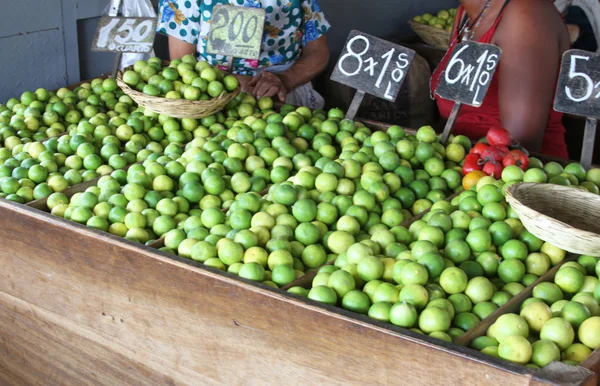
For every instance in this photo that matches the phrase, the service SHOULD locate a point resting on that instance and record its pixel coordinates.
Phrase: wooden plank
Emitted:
(211, 323)
(38, 347)
(593, 363)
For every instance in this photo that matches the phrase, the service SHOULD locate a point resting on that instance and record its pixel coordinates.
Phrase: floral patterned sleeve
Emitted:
(180, 19)
(314, 23)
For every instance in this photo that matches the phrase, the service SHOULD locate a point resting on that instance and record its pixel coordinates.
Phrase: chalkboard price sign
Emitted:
(578, 93)
(236, 31)
(125, 34)
(578, 89)
(373, 65)
(469, 73)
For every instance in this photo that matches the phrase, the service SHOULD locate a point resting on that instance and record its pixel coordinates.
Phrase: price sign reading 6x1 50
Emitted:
(125, 34)
(373, 65)
(236, 31)
(578, 89)
(469, 73)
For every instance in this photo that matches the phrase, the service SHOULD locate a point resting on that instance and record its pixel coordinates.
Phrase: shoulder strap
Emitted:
(499, 17)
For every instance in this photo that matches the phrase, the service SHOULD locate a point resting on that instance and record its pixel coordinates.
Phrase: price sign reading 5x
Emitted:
(236, 31)
(578, 89)
(125, 34)
(373, 65)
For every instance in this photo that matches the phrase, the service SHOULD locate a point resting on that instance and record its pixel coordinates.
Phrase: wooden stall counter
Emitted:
(78, 306)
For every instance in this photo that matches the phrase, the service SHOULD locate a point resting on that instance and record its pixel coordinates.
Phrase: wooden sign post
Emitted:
(371, 65)
(123, 34)
(578, 93)
(467, 77)
(236, 32)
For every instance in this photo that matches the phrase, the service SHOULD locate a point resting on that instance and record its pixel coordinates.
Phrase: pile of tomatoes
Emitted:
(492, 157)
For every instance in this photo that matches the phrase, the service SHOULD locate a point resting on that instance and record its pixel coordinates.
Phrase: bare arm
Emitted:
(179, 48)
(529, 66)
(311, 63)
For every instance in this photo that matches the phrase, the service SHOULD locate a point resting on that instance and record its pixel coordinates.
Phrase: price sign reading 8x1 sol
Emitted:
(578, 89)
(469, 73)
(373, 65)
(125, 34)
(236, 31)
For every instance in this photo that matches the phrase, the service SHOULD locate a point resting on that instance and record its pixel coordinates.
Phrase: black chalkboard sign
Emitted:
(125, 34)
(469, 73)
(373, 65)
(578, 88)
(578, 93)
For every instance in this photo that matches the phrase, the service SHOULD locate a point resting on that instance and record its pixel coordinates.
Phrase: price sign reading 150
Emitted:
(125, 34)
(373, 65)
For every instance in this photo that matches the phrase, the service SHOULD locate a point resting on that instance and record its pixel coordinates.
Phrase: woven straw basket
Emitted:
(433, 36)
(566, 217)
(177, 108)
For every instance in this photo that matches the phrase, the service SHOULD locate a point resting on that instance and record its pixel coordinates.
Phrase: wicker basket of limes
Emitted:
(564, 216)
(183, 88)
(434, 30)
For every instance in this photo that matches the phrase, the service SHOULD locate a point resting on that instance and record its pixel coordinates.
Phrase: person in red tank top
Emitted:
(533, 37)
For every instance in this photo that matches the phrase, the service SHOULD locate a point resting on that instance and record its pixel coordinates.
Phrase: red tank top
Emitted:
(475, 122)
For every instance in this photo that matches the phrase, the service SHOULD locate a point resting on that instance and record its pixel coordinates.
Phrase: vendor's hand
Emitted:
(268, 84)
(245, 83)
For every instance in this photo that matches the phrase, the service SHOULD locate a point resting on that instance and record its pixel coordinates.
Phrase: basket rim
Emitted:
(510, 195)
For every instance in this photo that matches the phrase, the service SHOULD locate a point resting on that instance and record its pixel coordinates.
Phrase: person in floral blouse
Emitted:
(294, 45)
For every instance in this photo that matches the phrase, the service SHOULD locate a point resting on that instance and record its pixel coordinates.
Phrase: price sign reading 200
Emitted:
(236, 31)
(578, 89)
(469, 73)
(373, 65)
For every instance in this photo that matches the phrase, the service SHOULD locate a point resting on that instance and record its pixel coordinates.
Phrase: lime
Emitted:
(466, 321)
(479, 289)
(548, 292)
(252, 271)
(536, 315)
(380, 311)
(356, 301)
(588, 332)
(508, 325)
(340, 241)
(434, 319)
(453, 280)
(484, 309)
(414, 294)
(479, 240)
(559, 331)
(283, 275)
(576, 352)
(575, 313)
(569, 279)
(403, 314)
(341, 282)
(544, 352)
(515, 349)
(369, 268)
(461, 302)
(323, 294)
(511, 271)
(482, 342)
